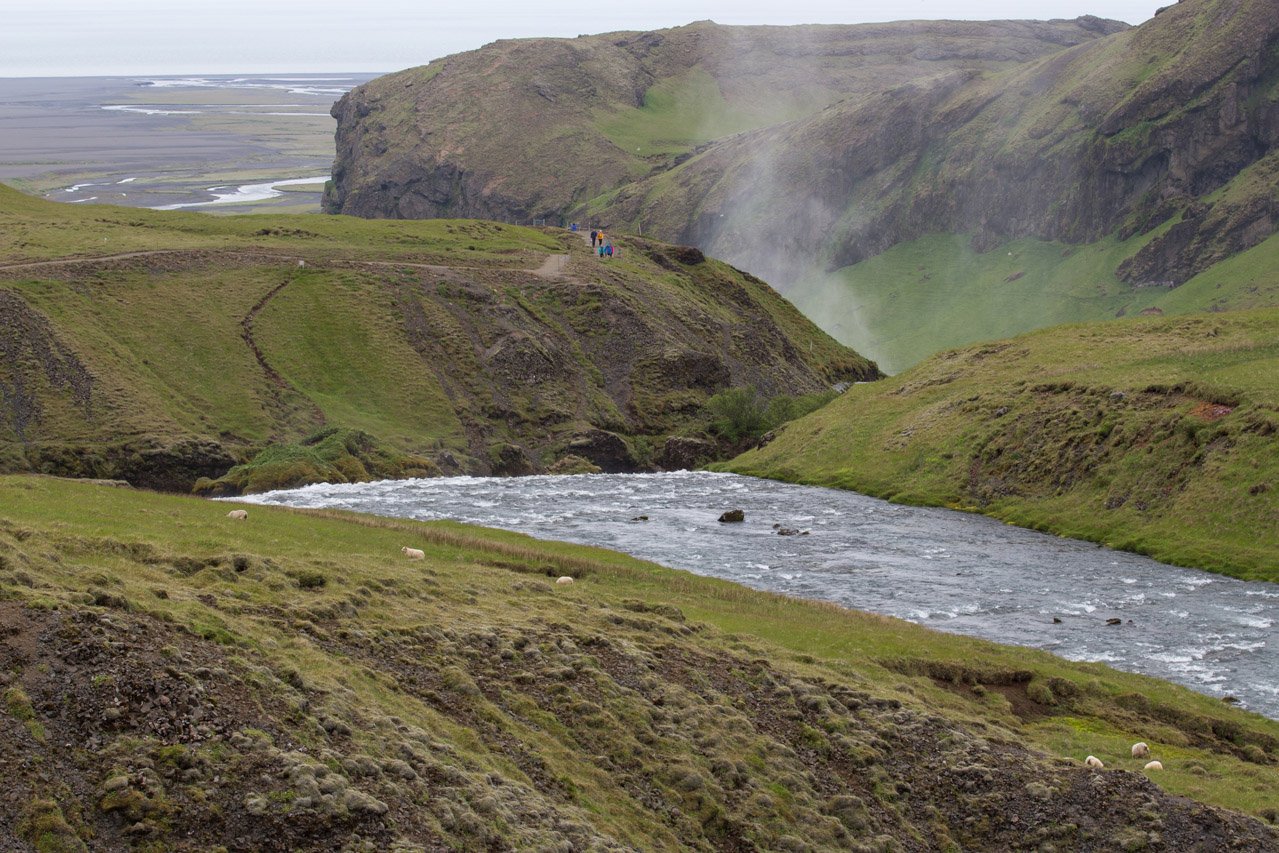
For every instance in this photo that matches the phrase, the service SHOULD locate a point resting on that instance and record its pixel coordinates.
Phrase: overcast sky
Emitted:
(128, 37)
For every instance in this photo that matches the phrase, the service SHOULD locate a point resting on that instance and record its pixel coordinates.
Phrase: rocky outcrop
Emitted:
(684, 453)
(148, 462)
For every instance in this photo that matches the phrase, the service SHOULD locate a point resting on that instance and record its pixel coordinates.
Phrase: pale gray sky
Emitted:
(129, 37)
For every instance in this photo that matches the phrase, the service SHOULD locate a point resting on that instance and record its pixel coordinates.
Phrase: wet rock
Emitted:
(509, 460)
(605, 450)
(680, 453)
(1113, 621)
(733, 516)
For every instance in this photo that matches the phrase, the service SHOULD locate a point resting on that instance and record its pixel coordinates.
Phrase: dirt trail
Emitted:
(93, 260)
(554, 265)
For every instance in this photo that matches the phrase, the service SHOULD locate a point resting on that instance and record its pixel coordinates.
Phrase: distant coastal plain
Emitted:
(221, 143)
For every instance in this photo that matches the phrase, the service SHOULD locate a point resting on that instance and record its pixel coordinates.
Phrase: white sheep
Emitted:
(564, 581)
(1094, 761)
(413, 553)
(1140, 750)
(1154, 765)
(238, 514)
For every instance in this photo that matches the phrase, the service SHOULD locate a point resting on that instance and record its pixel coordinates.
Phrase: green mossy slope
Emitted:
(166, 347)
(1157, 435)
(177, 680)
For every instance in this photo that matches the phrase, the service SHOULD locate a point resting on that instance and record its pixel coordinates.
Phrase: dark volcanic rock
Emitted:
(509, 460)
(607, 450)
(149, 463)
(681, 453)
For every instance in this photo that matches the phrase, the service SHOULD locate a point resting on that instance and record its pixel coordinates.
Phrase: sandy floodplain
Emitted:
(223, 143)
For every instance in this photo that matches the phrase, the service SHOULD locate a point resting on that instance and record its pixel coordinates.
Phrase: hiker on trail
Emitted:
(593, 235)
(601, 250)
(608, 250)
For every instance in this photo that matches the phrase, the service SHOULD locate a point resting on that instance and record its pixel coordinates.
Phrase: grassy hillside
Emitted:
(176, 680)
(1143, 160)
(531, 128)
(163, 347)
(1157, 435)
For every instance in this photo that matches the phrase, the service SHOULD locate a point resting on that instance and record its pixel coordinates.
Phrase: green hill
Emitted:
(166, 347)
(177, 680)
(1114, 165)
(1142, 160)
(532, 128)
(1157, 435)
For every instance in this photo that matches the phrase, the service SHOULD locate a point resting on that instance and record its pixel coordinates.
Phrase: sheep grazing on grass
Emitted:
(564, 581)
(1154, 765)
(238, 514)
(413, 553)
(1140, 750)
(1094, 761)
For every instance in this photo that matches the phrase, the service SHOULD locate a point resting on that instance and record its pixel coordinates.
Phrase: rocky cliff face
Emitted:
(532, 128)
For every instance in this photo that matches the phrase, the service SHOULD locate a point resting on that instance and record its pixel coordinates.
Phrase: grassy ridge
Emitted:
(1152, 435)
(465, 702)
(164, 346)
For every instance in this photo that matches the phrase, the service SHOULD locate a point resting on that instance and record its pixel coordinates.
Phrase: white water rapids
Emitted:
(948, 570)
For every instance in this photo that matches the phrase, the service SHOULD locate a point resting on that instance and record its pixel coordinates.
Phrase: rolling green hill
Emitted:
(166, 347)
(176, 680)
(1157, 435)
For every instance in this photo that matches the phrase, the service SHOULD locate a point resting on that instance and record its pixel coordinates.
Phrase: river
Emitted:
(948, 570)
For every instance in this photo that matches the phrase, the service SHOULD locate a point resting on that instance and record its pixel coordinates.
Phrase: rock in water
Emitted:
(733, 516)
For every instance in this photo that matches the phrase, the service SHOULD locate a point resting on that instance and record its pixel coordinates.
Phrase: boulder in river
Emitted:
(733, 516)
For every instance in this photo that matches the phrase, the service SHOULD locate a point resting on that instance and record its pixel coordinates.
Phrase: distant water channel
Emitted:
(947, 570)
